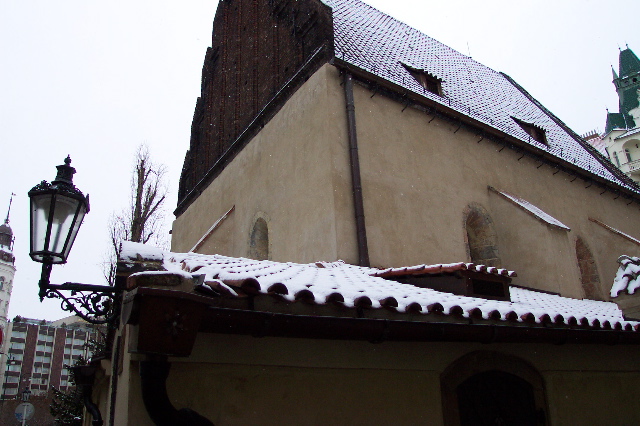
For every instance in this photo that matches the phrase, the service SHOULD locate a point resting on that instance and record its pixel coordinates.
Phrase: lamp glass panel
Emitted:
(40, 206)
(75, 226)
(62, 224)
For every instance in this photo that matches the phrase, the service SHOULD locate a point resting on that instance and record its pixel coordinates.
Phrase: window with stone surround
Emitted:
(482, 240)
(589, 277)
(259, 240)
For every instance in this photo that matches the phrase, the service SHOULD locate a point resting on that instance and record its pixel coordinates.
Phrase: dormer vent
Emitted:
(537, 133)
(427, 80)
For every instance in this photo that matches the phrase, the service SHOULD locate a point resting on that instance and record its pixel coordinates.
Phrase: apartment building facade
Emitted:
(36, 353)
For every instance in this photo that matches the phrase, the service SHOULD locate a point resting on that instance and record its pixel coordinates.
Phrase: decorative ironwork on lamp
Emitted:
(57, 211)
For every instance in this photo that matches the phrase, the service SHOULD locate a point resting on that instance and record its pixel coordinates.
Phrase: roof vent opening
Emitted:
(537, 133)
(463, 283)
(427, 80)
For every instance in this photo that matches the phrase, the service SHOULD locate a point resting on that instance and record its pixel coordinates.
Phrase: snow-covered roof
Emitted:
(532, 210)
(629, 133)
(628, 276)
(353, 286)
(379, 44)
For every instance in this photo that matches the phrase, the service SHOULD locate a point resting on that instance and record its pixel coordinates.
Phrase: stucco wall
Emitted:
(237, 380)
(419, 176)
(294, 174)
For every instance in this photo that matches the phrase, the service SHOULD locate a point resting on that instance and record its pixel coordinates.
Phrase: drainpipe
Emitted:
(361, 231)
(84, 376)
(153, 381)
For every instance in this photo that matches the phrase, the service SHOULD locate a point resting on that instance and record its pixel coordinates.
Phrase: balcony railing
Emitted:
(633, 166)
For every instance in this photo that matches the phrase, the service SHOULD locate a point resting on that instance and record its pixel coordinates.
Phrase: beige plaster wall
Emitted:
(295, 174)
(419, 175)
(237, 380)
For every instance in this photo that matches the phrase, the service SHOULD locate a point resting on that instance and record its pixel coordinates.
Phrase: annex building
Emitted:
(373, 228)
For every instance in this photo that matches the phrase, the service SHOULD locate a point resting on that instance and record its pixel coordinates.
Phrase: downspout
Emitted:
(361, 231)
(84, 376)
(153, 381)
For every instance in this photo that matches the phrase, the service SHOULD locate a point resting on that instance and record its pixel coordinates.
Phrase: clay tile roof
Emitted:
(440, 269)
(354, 286)
(374, 42)
(628, 276)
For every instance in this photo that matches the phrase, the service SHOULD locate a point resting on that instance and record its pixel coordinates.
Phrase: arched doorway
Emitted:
(490, 388)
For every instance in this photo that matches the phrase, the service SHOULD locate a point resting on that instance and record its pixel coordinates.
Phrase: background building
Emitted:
(7, 268)
(622, 130)
(35, 352)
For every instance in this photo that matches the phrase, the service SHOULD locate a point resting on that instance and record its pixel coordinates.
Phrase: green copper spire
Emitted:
(627, 83)
(629, 63)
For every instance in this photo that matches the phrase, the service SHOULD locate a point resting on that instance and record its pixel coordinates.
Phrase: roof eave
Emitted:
(485, 129)
(144, 308)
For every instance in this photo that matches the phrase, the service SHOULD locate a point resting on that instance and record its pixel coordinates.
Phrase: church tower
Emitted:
(627, 83)
(622, 129)
(7, 267)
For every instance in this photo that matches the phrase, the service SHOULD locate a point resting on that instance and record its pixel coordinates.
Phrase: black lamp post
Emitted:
(57, 211)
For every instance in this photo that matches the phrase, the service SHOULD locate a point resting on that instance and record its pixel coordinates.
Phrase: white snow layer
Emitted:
(628, 276)
(326, 282)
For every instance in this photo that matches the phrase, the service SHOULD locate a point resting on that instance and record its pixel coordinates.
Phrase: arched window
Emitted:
(481, 237)
(259, 240)
(490, 388)
(589, 277)
(1, 283)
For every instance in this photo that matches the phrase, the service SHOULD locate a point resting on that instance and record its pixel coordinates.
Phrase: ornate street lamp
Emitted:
(57, 211)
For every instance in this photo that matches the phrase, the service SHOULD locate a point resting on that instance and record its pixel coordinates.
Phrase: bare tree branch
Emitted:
(143, 220)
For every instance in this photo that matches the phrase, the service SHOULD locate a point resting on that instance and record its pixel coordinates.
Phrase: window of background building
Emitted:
(19, 334)
(17, 345)
(11, 391)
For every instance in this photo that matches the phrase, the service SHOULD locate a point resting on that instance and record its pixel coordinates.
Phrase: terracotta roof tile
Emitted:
(628, 276)
(354, 286)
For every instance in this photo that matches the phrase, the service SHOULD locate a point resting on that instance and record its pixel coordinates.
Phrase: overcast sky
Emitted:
(95, 79)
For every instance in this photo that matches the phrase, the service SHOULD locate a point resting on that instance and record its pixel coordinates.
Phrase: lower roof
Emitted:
(357, 288)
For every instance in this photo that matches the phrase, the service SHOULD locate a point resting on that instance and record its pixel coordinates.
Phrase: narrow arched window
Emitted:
(259, 240)
(589, 277)
(481, 237)
(1, 283)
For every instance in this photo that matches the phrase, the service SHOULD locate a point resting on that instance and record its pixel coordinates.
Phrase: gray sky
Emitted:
(96, 79)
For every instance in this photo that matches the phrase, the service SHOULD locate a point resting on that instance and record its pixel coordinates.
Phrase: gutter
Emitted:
(146, 308)
(408, 98)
